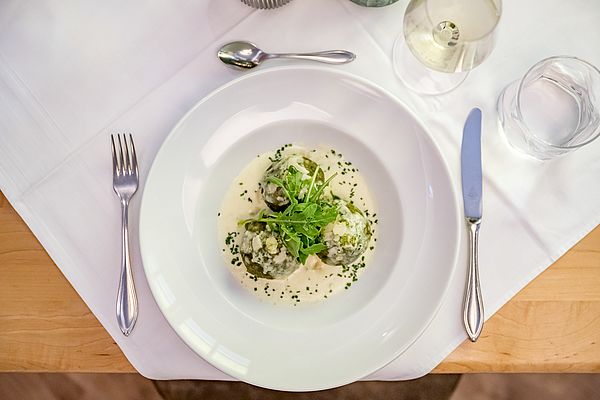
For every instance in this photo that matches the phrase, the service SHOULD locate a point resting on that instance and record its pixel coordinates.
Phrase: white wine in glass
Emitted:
(447, 38)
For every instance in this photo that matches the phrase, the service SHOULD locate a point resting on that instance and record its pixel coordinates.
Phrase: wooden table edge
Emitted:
(46, 327)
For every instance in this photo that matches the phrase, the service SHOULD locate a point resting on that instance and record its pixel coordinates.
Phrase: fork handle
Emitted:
(127, 303)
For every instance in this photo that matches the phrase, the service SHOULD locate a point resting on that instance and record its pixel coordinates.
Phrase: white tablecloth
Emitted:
(71, 72)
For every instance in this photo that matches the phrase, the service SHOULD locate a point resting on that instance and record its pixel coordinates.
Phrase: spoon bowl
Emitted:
(241, 55)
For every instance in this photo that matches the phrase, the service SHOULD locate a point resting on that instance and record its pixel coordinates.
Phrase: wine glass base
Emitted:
(419, 78)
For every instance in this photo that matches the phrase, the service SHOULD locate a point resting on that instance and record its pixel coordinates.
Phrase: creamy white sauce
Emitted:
(315, 280)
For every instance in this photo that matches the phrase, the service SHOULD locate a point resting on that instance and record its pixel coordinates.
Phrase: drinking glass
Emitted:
(442, 40)
(553, 109)
(374, 3)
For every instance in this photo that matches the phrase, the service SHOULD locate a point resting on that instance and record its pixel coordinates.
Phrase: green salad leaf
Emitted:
(300, 224)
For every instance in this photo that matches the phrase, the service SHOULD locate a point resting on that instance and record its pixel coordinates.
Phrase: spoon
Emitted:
(245, 55)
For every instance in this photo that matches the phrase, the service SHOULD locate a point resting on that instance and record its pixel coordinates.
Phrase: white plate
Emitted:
(352, 334)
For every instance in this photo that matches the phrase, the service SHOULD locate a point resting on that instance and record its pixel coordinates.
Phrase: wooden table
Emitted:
(553, 325)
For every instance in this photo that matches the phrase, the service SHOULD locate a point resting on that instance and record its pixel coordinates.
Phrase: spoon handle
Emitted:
(328, 57)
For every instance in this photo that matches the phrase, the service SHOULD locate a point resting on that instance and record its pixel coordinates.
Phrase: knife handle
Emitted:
(473, 302)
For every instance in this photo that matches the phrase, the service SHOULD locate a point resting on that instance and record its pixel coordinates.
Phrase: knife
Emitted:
(470, 165)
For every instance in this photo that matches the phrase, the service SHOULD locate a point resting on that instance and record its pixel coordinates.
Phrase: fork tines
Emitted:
(124, 158)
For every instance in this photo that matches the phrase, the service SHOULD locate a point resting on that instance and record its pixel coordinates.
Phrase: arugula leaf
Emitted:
(314, 248)
(301, 223)
(281, 184)
(293, 181)
(322, 187)
(312, 183)
(291, 241)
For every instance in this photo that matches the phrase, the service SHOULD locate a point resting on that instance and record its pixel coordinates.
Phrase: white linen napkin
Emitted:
(73, 72)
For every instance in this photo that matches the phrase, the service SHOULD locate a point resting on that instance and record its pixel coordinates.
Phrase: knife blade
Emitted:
(472, 187)
(471, 165)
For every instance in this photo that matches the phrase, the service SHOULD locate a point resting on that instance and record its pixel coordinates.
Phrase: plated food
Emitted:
(298, 225)
(206, 157)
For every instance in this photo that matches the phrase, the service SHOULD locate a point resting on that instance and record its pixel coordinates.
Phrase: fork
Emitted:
(125, 184)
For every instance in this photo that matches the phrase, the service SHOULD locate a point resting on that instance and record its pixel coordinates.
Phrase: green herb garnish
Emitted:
(300, 224)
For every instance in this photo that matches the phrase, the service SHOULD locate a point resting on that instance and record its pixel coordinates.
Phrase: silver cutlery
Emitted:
(472, 191)
(245, 55)
(268, 4)
(125, 184)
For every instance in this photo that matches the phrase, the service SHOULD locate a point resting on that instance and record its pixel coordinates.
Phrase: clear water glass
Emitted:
(553, 109)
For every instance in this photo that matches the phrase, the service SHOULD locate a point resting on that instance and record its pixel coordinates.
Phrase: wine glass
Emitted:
(442, 40)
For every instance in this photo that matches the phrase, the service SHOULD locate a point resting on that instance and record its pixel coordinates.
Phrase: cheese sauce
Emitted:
(315, 280)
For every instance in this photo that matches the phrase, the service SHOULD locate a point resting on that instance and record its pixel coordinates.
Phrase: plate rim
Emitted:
(444, 163)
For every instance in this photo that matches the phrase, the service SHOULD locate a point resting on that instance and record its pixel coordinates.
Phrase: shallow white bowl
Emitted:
(352, 334)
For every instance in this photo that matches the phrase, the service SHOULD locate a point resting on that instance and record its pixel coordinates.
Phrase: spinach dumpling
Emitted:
(272, 193)
(347, 237)
(264, 254)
